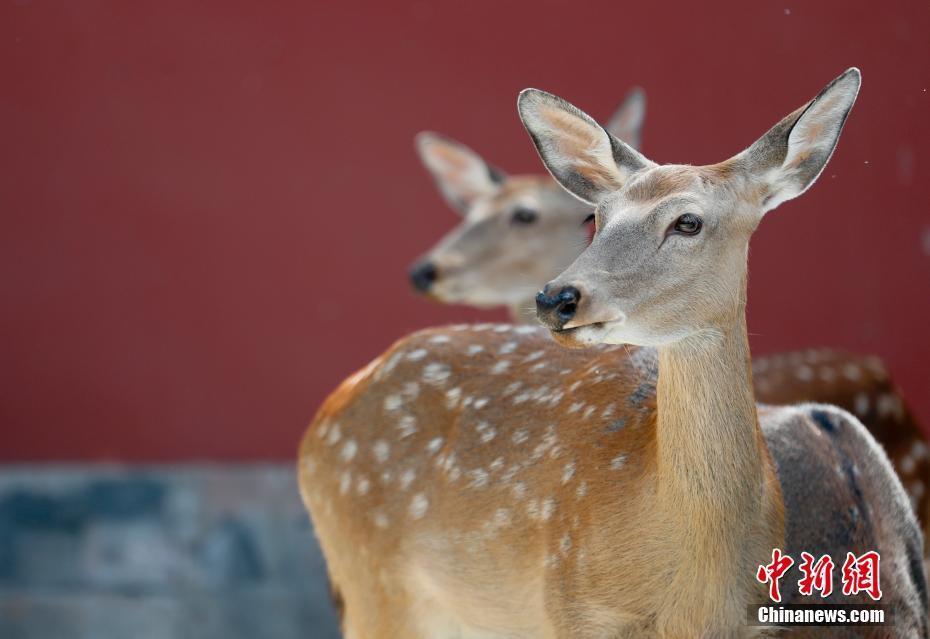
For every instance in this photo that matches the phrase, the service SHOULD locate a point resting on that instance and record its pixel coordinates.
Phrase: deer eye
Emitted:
(688, 224)
(524, 216)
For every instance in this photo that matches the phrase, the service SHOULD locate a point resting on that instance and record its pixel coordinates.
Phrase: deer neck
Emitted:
(716, 487)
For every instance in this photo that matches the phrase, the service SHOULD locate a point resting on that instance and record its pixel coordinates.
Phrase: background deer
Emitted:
(518, 232)
(481, 481)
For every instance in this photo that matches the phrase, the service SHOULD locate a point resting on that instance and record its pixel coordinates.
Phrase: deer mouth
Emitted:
(585, 334)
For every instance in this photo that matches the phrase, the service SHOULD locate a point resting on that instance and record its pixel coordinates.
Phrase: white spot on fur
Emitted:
(520, 435)
(335, 434)
(381, 521)
(568, 472)
(501, 517)
(406, 426)
(861, 404)
(389, 365)
(418, 505)
(481, 402)
(439, 339)
(587, 412)
(618, 462)
(582, 490)
(919, 449)
(500, 366)
(804, 373)
(533, 356)
(363, 485)
(474, 349)
(381, 450)
(406, 478)
(852, 372)
(497, 464)
(511, 388)
(348, 450)
(532, 509)
(575, 386)
(436, 373)
(607, 412)
(502, 328)
(507, 347)
(519, 490)
(417, 355)
(411, 390)
(434, 445)
(453, 395)
(575, 407)
(486, 432)
(478, 478)
(548, 507)
(345, 481)
(393, 402)
(889, 406)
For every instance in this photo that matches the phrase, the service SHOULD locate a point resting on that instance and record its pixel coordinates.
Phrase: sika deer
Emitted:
(518, 232)
(482, 482)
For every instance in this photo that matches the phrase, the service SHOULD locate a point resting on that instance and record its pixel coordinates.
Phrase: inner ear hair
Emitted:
(793, 153)
(461, 174)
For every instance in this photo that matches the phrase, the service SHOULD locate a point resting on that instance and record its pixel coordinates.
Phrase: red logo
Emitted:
(859, 574)
(817, 576)
(773, 572)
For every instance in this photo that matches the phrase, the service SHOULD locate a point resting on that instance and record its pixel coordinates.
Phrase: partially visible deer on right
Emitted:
(518, 232)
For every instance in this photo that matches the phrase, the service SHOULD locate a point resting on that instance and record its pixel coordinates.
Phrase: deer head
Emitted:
(668, 258)
(517, 231)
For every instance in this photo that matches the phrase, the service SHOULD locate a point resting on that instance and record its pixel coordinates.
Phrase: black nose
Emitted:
(423, 275)
(556, 310)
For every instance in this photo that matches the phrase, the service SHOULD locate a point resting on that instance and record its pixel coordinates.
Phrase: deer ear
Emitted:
(627, 121)
(583, 157)
(460, 173)
(790, 157)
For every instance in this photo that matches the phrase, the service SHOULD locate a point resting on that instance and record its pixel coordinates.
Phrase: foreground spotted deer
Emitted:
(518, 232)
(484, 482)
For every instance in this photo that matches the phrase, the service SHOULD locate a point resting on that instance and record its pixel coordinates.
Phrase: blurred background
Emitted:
(209, 208)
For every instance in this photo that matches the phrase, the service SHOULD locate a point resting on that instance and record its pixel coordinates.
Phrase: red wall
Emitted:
(208, 211)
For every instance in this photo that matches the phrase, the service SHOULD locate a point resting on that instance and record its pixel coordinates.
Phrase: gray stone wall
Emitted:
(158, 552)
